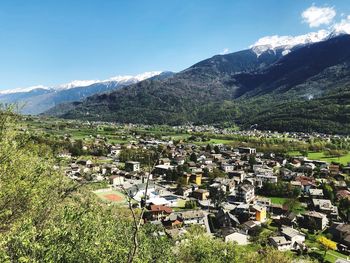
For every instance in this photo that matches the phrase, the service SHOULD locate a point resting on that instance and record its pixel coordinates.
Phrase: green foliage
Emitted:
(202, 248)
(344, 208)
(47, 218)
(292, 204)
(328, 192)
(280, 189)
(193, 157)
(145, 157)
(216, 173)
(191, 204)
(217, 196)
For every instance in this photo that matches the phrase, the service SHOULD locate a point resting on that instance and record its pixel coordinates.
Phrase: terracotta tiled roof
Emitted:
(161, 208)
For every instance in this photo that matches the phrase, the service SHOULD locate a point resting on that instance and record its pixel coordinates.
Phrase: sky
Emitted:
(54, 42)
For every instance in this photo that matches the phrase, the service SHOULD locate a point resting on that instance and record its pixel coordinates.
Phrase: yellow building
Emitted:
(193, 178)
(260, 213)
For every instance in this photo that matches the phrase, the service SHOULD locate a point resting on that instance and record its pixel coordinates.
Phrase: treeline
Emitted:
(144, 156)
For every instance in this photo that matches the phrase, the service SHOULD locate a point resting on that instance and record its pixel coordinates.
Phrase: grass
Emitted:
(98, 185)
(215, 141)
(345, 159)
(179, 136)
(331, 256)
(181, 203)
(278, 200)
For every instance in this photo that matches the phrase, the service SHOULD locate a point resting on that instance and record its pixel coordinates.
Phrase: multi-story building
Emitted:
(245, 193)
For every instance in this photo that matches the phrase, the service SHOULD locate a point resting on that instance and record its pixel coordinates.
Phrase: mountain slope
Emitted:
(175, 99)
(274, 89)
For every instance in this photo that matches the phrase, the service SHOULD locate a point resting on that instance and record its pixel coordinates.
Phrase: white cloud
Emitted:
(317, 16)
(225, 51)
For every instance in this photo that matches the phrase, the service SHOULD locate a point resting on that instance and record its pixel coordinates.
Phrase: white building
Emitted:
(280, 243)
(297, 239)
(240, 239)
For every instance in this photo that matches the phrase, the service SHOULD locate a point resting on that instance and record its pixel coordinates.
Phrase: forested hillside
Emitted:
(294, 92)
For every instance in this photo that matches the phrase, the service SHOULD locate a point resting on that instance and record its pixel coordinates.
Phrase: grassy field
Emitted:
(318, 252)
(215, 141)
(278, 200)
(332, 256)
(345, 159)
(180, 136)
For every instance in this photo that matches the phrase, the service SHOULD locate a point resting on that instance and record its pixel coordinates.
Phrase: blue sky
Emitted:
(53, 42)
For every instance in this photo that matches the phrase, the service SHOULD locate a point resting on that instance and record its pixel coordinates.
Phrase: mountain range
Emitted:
(297, 86)
(279, 83)
(38, 99)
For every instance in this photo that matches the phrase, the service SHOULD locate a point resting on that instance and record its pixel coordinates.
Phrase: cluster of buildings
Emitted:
(222, 189)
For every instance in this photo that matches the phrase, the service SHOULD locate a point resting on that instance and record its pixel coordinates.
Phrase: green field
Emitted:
(215, 141)
(345, 159)
(317, 250)
(278, 200)
(180, 136)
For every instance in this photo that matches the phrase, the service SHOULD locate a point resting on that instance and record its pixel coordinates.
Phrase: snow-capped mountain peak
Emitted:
(287, 42)
(76, 83)
(138, 77)
(27, 89)
(127, 79)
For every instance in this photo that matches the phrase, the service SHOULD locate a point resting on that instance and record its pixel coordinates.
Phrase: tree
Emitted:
(216, 173)
(304, 153)
(191, 204)
(292, 204)
(193, 157)
(217, 196)
(252, 160)
(327, 244)
(216, 149)
(181, 181)
(203, 248)
(261, 235)
(208, 148)
(328, 192)
(344, 208)
(46, 217)
(206, 172)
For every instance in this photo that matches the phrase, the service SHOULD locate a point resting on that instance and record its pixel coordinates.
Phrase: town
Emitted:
(234, 192)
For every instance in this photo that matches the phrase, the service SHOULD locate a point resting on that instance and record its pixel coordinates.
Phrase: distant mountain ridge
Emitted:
(273, 89)
(37, 99)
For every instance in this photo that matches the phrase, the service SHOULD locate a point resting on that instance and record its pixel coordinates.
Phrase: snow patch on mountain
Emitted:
(137, 78)
(286, 43)
(27, 89)
(128, 79)
(76, 83)
(343, 27)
